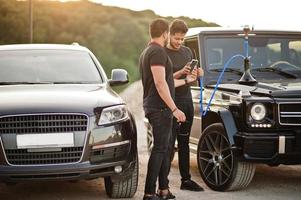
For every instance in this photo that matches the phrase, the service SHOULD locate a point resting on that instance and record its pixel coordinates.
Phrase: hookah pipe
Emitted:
(246, 79)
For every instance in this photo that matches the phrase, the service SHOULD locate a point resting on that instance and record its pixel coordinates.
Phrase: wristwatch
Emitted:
(186, 81)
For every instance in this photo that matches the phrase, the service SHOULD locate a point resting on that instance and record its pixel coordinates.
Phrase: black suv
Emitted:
(255, 114)
(60, 119)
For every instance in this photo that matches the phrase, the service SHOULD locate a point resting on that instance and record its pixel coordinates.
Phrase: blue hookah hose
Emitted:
(203, 113)
(246, 52)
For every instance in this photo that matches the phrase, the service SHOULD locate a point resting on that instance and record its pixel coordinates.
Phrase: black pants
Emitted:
(181, 133)
(159, 160)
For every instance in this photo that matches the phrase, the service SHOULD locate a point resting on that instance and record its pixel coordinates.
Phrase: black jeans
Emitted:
(182, 134)
(159, 160)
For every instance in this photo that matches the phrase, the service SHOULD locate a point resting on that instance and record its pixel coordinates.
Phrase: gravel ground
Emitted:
(274, 183)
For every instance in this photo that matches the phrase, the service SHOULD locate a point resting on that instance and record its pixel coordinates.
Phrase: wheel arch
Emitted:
(223, 116)
(133, 136)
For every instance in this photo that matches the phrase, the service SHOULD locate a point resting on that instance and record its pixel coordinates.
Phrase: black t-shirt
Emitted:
(179, 59)
(152, 55)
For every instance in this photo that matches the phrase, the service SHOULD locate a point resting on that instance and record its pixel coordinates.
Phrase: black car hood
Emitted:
(275, 90)
(289, 91)
(74, 98)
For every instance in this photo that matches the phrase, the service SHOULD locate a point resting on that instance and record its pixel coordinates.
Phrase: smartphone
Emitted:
(193, 64)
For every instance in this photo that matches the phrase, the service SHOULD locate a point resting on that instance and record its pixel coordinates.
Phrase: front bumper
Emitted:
(84, 170)
(269, 148)
(103, 149)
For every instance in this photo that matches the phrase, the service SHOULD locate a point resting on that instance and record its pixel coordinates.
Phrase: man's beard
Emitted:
(173, 46)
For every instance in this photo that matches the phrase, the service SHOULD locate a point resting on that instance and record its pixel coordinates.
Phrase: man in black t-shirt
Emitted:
(180, 56)
(158, 93)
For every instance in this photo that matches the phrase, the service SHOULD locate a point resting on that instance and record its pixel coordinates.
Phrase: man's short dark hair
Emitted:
(178, 26)
(158, 27)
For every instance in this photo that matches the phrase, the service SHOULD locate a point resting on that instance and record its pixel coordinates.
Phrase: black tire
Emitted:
(123, 188)
(219, 168)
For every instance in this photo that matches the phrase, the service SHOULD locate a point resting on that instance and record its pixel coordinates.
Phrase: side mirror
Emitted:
(119, 77)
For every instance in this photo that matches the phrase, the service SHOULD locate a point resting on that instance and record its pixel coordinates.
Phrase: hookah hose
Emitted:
(202, 111)
(246, 58)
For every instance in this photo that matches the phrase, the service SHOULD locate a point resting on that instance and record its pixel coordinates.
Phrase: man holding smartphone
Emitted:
(181, 58)
(159, 107)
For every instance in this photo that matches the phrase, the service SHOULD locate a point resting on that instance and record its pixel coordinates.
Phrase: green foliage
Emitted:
(115, 35)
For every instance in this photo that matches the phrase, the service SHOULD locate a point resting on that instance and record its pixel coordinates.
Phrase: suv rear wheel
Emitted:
(217, 164)
(125, 187)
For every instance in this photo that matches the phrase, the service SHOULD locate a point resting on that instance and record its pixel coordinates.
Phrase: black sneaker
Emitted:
(169, 195)
(191, 185)
(151, 197)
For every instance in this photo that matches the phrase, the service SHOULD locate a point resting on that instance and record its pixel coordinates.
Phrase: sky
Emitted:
(277, 14)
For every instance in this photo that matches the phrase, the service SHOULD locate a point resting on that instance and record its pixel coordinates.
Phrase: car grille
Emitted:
(43, 123)
(23, 157)
(39, 124)
(290, 113)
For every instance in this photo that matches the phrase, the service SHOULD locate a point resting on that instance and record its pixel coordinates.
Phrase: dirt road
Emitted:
(277, 183)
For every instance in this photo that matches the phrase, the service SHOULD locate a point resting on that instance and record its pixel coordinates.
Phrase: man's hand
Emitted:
(200, 72)
(179, 115)
(192, 77)
(186, 69)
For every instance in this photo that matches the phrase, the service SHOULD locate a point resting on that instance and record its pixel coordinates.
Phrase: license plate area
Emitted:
(45, 140)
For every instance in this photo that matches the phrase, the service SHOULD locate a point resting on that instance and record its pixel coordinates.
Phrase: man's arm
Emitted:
(190, 78)
(163, 90)
(184, 71)
(177, 74)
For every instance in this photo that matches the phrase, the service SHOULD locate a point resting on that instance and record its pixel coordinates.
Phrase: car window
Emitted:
(64, 66)
(219, 50)
(262, 50)
(295, 52)
(266, 52)
(193, 45)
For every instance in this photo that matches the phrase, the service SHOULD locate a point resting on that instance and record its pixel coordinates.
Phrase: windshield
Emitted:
(47, 66)
(267, 54)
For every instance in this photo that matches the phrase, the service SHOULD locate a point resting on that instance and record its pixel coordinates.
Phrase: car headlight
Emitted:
(113, 114)
(258, 111)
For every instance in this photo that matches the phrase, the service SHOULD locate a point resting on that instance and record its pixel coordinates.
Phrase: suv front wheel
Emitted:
(217, 164)
(125, 187)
